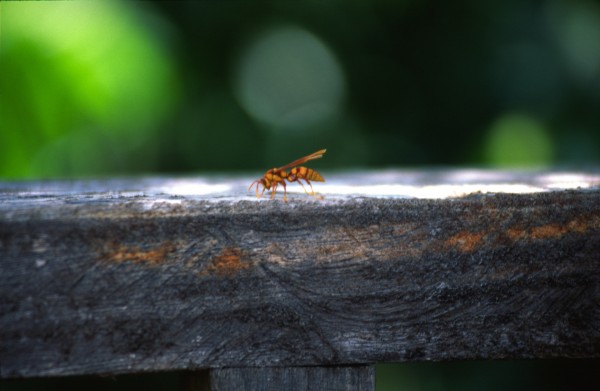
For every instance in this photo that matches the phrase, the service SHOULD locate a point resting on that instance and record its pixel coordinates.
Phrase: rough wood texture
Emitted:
(361, 378)
(164, 274)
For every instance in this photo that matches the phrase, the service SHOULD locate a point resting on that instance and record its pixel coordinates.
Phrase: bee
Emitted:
(276, 176)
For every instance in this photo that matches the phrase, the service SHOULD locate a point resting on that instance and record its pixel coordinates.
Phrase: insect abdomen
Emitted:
(307, 173)
(312, 175)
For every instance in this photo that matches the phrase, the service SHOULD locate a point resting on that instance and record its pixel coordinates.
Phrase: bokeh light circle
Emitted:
(289, 79)
(518, 140)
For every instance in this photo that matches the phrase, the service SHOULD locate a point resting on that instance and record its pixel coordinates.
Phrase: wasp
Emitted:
(276, 176)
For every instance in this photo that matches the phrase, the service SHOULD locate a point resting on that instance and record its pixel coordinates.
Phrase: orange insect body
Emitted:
(276, 176)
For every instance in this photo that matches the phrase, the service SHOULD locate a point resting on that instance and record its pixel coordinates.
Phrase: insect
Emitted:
(276, 176)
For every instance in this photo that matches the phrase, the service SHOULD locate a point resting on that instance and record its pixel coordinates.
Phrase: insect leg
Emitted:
(312, 191)
(284, 191)
(317, 196)
(274, 189)
(298, 180)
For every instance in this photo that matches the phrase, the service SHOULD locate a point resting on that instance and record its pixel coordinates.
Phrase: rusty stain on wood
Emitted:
(156, 256)
(227, 263)
(548, 231)
(465, 241)
(413, 241)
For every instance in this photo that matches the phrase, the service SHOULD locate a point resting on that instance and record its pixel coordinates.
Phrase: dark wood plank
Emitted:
(357, 378)
(150, 275)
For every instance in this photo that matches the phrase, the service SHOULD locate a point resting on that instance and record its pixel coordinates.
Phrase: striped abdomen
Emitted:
(305, 173)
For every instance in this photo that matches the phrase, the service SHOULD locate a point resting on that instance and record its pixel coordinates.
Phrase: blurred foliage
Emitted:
(84, 88)
(514, 375)
(515, 140)
(99, 88)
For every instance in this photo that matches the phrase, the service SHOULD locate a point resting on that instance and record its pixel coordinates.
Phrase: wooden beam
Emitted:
(359, 378)
(125, 276)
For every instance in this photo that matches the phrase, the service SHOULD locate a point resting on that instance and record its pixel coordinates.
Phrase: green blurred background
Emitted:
(124, 88)
(118, 88)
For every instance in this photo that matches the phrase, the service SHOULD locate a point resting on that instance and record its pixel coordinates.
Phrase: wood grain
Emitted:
(125, 276)
(361, 378)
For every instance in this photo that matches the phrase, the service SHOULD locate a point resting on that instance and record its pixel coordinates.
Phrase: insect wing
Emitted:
(312, 156)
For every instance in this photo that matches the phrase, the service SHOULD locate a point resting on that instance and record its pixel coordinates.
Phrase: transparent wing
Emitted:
(312, 156)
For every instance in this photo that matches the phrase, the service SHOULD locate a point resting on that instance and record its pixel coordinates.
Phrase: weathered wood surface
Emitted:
(361, 378)
(164, 274)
